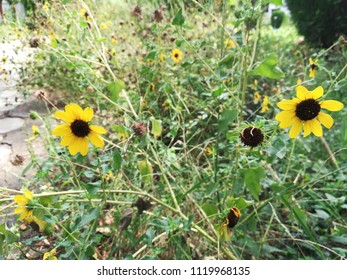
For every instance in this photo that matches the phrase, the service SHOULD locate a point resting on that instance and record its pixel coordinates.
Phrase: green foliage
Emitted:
(320, 21)
(268, 68)
(173, 163)
(277, 18)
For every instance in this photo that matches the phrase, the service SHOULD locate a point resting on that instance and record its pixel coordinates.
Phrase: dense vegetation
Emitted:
(185, 103)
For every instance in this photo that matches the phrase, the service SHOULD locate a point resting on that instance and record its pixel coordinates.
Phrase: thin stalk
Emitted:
(289, 160)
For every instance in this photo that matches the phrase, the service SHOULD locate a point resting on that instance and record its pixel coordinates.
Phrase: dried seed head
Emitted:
(125, 220)
(158, 15)
(251, 136)
(34, 42)
(17, 160)
(90, 89)
(136, 11)
(41, 94)
(140, 129)
(142, 205)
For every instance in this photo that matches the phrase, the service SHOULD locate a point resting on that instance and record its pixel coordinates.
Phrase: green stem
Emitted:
(289, 160)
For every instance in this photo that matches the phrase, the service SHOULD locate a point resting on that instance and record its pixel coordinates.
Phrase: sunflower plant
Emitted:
(304, 112)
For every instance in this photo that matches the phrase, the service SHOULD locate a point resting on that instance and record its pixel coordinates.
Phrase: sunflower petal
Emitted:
(296, 128)
(301, 92)
(21, 200)
(331, 105)
(325, 119)
(74, 146)
(287, 104)
(20, 210)
(307, 128)
(75, 110)
(66, 117)
(88, 114)
(96, 139)
(83, 146)
(40, 223)
(62, 130)
(316, 127)
(286, 118)
(28, 194)
(97, 129)
(317, 92)
(67, 140)
(285, 115)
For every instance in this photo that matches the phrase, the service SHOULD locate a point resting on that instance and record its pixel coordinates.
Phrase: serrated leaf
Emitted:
(252, 177)
(156, 127)
(146, 170)
(91, 215)
(114, 89)
(178, 19)
(226, 118)
(117, 160)
(268, 68)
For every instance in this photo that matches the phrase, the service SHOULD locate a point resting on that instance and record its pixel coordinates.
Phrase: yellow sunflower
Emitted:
(77, 128)
(313, 67)
(265, 104)
(23, 200)
(229, 43)
(51, 255)
(304, 111)
(176, 55)
(25, 209)
(256, 97)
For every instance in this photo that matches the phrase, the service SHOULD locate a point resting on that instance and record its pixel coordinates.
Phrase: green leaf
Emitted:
(10, 236)
(268, 68)
(276, 2)
(227, 60)
(210, 209)
(146, 170)
(115, 88)
(122, 132)
(91, 215)
(241, 203)
(89, 173)
(322, 214)
(252, 178)
(151, 55)
(117, 160)
(178, 19)
(156, 127)
(226, 118)
(93, 187)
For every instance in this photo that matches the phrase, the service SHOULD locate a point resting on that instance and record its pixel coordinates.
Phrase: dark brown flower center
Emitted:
(314, 67)
(80, 128)
(307, 110)
(176, 55)
(251, 136)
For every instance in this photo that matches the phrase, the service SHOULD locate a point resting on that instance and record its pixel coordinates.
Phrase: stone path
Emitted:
(15, 124)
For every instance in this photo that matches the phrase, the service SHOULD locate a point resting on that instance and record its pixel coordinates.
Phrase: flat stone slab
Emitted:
(10, 124)
(5, 152)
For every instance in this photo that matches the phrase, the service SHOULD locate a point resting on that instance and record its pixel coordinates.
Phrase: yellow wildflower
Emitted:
(77, 128)
(305, 112)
